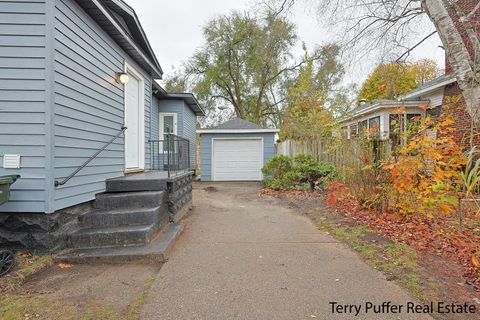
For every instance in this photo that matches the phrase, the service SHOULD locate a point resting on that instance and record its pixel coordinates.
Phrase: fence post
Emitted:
(169, 152)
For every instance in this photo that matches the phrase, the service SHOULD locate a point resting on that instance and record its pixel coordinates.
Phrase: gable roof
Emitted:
(120, 21)
(237, 125)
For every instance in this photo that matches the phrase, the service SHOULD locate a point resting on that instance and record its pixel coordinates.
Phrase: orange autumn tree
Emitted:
(391, 80)
(426, 170)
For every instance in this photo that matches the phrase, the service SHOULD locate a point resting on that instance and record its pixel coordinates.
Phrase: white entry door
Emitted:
(134, 121)
(237, 159)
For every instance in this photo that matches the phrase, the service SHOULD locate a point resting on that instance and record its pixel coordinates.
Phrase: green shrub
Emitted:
(288, 180)
(278, 166)
(311, 171)
(298, 173)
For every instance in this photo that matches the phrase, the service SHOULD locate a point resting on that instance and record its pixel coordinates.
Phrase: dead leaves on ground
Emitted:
(291, 193)
(437, 236)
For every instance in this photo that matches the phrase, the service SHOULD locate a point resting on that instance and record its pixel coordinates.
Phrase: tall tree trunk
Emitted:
(465, 66)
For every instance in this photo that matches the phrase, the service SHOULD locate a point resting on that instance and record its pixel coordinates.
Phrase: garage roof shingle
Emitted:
(238, 123)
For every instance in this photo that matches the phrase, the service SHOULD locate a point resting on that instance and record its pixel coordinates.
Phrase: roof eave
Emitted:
(379, 107)
(141, 30)
(149, 62)
(426, 90)
(189, 98)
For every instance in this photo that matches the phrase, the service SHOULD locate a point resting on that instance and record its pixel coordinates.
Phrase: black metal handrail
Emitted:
(64, 181)
(171, 154)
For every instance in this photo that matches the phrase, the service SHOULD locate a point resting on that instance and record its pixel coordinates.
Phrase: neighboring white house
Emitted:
(378, 117)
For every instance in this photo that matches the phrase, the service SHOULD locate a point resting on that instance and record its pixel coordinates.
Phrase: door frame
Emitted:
(262, 149)
(131, 71)
(161, 125)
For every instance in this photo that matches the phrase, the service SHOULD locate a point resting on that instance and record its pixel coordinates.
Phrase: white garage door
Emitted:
(237, 159)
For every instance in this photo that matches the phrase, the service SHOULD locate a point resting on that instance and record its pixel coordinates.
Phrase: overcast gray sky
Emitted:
(174, 30)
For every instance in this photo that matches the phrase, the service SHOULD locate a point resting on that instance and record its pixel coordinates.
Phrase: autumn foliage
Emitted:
(413, 197)
(425, 173)
(435, 236)
(391, 80)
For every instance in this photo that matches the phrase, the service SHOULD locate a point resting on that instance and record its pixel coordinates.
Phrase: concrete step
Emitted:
(146, 199)
(103, 218)
(110, 237)
(133, 184)
(155, 251)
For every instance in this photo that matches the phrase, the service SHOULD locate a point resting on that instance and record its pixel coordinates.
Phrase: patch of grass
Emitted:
(26, 266)
(396, 259)
(96, 309)
(134, 311)
(13, 307)
(368, 251)
(402, 255)
(351, 235)
(19, 307)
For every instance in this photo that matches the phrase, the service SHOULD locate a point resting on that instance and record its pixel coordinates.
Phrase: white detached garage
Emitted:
(235, 150)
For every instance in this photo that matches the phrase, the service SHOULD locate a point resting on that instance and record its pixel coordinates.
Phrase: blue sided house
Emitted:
(105, 155)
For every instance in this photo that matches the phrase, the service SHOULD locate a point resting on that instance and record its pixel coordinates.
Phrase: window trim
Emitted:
(161, 126)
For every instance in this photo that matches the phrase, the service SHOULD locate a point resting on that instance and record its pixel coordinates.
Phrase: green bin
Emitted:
(5, 182)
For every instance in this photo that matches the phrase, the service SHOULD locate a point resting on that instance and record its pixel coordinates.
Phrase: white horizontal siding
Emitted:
(435, 98)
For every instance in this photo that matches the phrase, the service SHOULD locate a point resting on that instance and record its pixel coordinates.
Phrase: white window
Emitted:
(168, 124)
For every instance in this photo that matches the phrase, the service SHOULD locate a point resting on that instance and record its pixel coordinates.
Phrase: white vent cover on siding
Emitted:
(11, 161)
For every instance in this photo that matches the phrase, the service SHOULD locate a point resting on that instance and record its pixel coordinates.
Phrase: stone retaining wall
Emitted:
(179, 198)
(39, 232)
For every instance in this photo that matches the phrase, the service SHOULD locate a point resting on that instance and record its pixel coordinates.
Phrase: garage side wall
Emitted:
(206, 149)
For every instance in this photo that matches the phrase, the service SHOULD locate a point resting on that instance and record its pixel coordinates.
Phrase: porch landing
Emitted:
(145, 181)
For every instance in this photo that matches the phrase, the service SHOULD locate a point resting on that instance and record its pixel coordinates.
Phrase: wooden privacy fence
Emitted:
(343, 154)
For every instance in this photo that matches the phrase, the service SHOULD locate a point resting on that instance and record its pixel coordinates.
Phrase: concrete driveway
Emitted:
(248, 257)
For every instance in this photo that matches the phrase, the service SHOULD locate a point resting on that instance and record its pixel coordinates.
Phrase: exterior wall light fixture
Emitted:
(122, 78)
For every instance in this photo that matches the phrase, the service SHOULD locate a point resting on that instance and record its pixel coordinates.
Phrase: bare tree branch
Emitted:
(406, 53)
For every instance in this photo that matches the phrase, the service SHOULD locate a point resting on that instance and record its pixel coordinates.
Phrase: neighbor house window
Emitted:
(434, 113)
(168, 125)
(362, 127)
(411, 119)
(374, 127)
(344, 132)
(414, 117)
(395, 125)
(353, 131)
